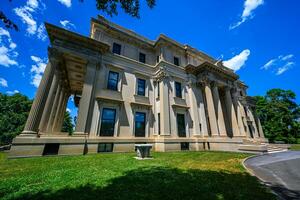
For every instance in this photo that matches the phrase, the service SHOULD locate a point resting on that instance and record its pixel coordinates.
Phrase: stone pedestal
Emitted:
(143, 150)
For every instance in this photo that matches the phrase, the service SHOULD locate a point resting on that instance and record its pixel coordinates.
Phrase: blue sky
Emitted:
(257, 38)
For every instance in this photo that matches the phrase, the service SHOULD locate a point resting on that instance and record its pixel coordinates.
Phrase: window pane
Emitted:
(142, 58)
(181, 125)
(176, 61)
(158, 116)
(178, 89)
(141, 87)
(112, 83)
(108, 122)
(117, 48)
(140, 124)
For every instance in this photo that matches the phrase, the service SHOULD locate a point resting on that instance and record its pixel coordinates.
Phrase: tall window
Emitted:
(158, 119)
(178, 89)
(158, 89)
(157, 59)
(181, 125)
(141, 87)
(108, 122)
(142, 57)
(117, 48)
(176, 61)
(112, 82)
(140, 124)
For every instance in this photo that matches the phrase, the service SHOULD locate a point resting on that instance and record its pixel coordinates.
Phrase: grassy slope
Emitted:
(182, 175)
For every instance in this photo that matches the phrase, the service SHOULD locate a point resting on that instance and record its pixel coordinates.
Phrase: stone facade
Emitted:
(130, 90)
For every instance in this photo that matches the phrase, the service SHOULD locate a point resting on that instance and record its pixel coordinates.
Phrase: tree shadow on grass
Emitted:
(165, 183)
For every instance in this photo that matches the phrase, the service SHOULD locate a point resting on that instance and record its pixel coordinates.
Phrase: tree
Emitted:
(279, 115)
(67, 124)
(13, 114)
(131, 7)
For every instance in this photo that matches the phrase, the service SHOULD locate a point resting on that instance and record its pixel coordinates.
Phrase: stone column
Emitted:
(240, 118)
(59, 107)
(252, 119)
(49, 104)
(164, 107)
(86, 98)
(54, 108)
(211, 109)
(37, 108)
(261, 132)
(231, 113)
(63, 111)
(219, 111)
(194, 109)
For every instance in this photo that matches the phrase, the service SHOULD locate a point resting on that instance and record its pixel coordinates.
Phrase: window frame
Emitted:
(101, 121)
(176, 61)
(145, 124)
(144, 88)
(179, 134)
(179, 94)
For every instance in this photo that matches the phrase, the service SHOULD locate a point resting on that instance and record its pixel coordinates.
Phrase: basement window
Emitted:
(185, 146)
(105, 147)
(51, 149)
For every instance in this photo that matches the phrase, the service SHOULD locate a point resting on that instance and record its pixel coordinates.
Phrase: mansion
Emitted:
(131, 90)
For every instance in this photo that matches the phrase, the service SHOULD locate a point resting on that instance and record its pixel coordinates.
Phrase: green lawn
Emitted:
(181, 175)
(295, 147)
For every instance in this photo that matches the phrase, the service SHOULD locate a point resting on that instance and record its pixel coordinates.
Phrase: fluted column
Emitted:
(240, 118)
(37, 108)
(59, 109)
(54, 108)
(86, 98)
(194, 108)
(211, 109)
(252, 119)
(164, 107)
(49, 104)
(219, 111)
(261, 132)
(231, 113)
(62, 113)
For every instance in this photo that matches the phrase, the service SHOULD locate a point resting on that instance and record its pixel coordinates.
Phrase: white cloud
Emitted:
(41, 32)
(237, 61)
(7, 49)
(67, 3)
(283, 60)
(69, 110)
(249, 7)
(26, 14)
(284, 68)
(3, 82)
(67, 24)
(37, 70)
(12, 92)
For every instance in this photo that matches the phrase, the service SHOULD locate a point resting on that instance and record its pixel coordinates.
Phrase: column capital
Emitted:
(55, 56)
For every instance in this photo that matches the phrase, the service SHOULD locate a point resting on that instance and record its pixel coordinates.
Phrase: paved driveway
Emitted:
(281, 171)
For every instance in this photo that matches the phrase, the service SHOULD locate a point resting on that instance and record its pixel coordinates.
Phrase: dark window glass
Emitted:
(117, 48)
(108, 122)
(141, 87)
(185, 146)
(178, 89)
(142, 58)
(51, 149)
(157, 59)
(158, 118)
(105, 147)
(112, 83)
(158, 88)
(140, 124)
(176, 61)
(181, 125)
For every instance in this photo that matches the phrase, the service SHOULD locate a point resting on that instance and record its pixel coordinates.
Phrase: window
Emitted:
(112, 82)
(158, 88)
(51, 149)
(158, 120)
(181, 125)
(185, 146)
(178, 89)
(142, 57)
(108, 122)
(140, 124)
(105, 147)
(117, 48)
(176, 61)
(157, 59)
(141, 87)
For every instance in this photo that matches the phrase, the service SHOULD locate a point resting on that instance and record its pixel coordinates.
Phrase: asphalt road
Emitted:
(280, 171)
